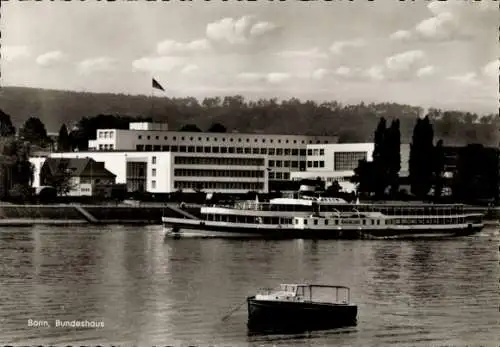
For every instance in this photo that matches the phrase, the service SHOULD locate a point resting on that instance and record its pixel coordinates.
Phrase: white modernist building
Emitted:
(148, 157)
(334, 162)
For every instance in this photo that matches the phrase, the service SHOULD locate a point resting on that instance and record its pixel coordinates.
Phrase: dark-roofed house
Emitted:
(75, 176)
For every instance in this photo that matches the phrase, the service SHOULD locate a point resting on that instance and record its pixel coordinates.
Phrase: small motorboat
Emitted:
(301, 307)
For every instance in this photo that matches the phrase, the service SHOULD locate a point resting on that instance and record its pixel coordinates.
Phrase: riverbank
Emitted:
(72, 214)
(141, 214)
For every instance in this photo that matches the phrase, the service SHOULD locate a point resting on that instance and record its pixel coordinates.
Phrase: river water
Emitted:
(149, 291)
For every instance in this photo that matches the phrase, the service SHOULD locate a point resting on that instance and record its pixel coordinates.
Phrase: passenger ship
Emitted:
(326, 218)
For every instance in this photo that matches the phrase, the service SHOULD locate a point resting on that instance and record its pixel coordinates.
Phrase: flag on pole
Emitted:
(157, 85)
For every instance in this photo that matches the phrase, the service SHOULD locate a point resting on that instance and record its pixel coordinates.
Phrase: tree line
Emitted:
(352, 123)
(474, 168)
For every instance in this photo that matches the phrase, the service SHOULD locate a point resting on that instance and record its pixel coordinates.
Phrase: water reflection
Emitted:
(149, 291)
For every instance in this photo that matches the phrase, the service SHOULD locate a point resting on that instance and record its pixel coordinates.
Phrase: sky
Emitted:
(424, 53)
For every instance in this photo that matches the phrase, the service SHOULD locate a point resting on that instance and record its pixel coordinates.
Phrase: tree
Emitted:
(393, 160)
(380, 158)
(421, 154)
(63, 140)
(60, 179)
(438, 166)
(6, 127)
(34, 132)
(217, 128)
(364, 178)
(190, 128)
(16, 171)
(333, 189)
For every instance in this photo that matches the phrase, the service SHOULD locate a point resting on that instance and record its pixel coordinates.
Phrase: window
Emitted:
(215, 149)
(208, 149)
(139, 137)
(316, 164)
(157, 137)
(199, 149)
(321, 163)
(190, 149)
(139, 148)
(182, 148)
(309, 163)
(153, 172)
(271, 151)
(295, 152)
(157, 148)
(309, 152)
(303, 152)
(279, 151)
(286, 175)
(287, 150)
(278, 175)
(271, 163)
(149, 148)
(322, 151)
(148, 137)
(230, 149)
(153, 184)
(343, 161)
(286, 163)
(223, 149)
(153, 160)
(278, 163)
(271, 175)
(165, 148)
(165, 138)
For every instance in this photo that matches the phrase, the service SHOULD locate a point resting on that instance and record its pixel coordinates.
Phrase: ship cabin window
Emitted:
(315, 222)
(305, 221)
(364, 221)
(326, 221)
(378, 221)
(336, 222)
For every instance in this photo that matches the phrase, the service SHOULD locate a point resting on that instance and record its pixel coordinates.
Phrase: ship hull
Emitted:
(178, 227)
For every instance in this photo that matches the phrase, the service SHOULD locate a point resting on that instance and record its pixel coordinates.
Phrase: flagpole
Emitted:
(152, 98)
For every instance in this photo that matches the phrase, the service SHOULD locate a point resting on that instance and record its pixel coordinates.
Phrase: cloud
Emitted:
(468, 79)
(426, 71)
(189, 69)
(240, 31)
(11, 53)
(50, 58)
(405, 61)
(320, 74)
(272, 77)
(250, 76)
(401, 35)
(307, 53)
(100, 64)
(440, 27)
(155, 64)
(376, 73)
(339, 46)
(169, 47)
(278, 77)
(491, 70)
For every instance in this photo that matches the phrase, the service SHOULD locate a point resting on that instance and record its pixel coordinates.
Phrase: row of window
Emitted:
(217, 149)
(216, 173)
(105, 147)
(223, 139)
(219, 161)
(106, 134)
(343, 161)
(219, 185)
(279, 175)
(248, 219)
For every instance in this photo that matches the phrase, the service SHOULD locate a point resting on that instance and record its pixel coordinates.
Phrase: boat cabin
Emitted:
(306, 293)
(316, 221)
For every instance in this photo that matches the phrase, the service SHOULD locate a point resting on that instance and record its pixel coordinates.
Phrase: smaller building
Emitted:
(75, 176)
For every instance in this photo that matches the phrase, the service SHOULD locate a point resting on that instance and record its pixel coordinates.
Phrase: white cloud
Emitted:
(49, 58)
(189, 69)
(307, 53)
(154, 64)
(320, 74)
(168, 47)
(491, 69)
(272, 77)
(401, 35)
(343, 71)
(439, 27)
(375, 73)
(10, 53)
(404, 61)
(339, 46)
(426, 71)
(468, 79)
(99, 64)
(262, 28)
(278, 77)
(238, 31)
(250, 76)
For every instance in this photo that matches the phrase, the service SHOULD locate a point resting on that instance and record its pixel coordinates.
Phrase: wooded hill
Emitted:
(352, 123)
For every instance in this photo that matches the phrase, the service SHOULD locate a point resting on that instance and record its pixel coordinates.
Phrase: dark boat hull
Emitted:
(202, 229)
(282, 316)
